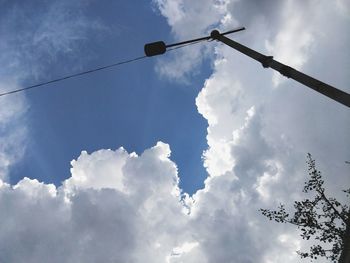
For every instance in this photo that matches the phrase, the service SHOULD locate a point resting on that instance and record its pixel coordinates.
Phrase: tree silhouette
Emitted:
(322, 219)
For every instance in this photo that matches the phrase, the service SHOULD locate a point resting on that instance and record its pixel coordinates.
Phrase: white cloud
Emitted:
(142, 222)
(257, 157)
(172, 10)
(145, 221)
(101, 169)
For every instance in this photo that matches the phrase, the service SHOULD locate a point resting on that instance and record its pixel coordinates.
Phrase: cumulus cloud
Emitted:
(121, 207)
(87, 220)
(146, 220)
(258, 135)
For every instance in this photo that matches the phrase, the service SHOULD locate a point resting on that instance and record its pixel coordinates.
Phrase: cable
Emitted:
(87, 72)
(71, 76)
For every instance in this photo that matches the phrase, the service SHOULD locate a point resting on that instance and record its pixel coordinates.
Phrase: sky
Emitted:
(167, 159)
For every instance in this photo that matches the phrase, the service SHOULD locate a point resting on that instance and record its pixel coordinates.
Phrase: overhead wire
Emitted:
(72, 76)
(87, 72)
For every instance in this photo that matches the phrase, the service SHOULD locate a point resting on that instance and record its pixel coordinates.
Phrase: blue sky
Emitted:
(167, 159)
(129, 106)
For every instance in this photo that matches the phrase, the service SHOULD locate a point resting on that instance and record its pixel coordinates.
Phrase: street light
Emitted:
(158, 48)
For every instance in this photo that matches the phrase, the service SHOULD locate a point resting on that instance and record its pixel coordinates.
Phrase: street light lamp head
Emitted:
(155, 48)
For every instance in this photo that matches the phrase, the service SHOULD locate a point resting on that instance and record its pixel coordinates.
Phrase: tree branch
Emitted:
(331, 205)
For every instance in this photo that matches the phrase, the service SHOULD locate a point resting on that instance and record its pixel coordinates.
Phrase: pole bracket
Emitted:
(266, 61)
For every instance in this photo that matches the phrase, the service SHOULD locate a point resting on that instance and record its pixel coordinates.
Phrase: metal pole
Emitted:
(289, 72)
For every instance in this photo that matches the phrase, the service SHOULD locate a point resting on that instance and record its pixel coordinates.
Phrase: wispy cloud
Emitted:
(31, 40)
